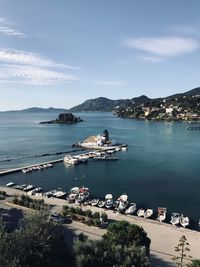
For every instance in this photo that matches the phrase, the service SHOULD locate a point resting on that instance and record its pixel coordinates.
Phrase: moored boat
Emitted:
(10, 184)
(131, 209)
(184, 221)
(123, 202)
(148, 213)
(94, 202)
(141, 212)
(175, 218)
(161, 214)
(101, 204)
(108, 201)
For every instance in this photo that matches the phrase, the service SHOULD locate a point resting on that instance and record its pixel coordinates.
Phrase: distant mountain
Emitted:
(178, 107)
(104, 104)
(38, 110)
(100, 104)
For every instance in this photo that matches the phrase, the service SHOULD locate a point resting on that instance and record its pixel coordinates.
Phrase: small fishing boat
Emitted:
(184, 221)
(108, 201)
(101, 204)
(175, 218)
(28, 188)
(86, 202)
(123, 202)
(161, 214)
(141, 212)
(131, 209)
(148, 213)
(94, 202)
(10, 184)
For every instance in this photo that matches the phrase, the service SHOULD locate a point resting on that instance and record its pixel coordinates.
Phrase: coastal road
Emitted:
(164, 237)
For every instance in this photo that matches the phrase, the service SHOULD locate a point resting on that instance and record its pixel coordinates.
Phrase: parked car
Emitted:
(57, 218)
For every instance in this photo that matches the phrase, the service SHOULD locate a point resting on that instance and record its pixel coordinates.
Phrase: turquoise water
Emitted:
(160, 168)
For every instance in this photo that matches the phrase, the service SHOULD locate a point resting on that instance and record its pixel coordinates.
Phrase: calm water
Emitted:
(160, 168)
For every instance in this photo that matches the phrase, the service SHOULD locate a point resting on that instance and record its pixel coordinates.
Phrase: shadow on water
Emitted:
(11, 217)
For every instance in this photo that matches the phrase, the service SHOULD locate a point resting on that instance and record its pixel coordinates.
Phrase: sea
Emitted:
(161, 167)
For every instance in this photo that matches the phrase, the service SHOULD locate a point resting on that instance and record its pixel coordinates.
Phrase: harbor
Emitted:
(82, 196)
(164, 237)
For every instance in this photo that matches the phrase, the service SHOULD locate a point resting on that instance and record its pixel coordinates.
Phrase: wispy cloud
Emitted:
(151, 58)
(23, 57)
(8, 28)
(33, 75)
(111, 83)
(164, 46)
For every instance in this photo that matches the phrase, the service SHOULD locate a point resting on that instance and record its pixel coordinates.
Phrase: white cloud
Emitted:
(151, 58)
(33, 75)
(23, 57)
(7, 28)
(111, 83)
(164, 46)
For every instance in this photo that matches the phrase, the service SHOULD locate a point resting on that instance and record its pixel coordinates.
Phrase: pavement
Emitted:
(164, 237)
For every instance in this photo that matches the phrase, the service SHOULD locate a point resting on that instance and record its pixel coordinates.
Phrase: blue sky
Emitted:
(60, 53)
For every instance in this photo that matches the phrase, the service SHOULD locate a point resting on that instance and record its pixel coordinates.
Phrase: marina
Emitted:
(152, 172)
(81, 196)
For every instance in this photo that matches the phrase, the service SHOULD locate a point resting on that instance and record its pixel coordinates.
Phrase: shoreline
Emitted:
(164, 237)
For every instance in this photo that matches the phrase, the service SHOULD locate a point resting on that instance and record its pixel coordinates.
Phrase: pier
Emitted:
(90, 154)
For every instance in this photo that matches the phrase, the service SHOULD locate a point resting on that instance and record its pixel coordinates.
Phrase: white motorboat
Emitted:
(71, 160)
(82, 197)
(108, 201)
(161, 214)
(101, 204)
(184, 221)
(123, 202)
(10, 184)
(148, 213)
(94, 202)
(141, 212)
(131, 209)
(28, 188)
(175, 218)
(59, 193)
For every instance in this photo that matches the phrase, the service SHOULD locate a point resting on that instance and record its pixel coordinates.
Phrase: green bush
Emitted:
(104, 216)
(96, 215)
(72, 210)
(3, 193)
(88, 213)
(97, 223)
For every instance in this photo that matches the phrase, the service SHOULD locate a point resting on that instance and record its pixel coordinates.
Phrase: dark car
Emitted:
(57, 218)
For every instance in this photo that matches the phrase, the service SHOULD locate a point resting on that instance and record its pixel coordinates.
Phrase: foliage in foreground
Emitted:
(123, 245)
(182, 249)
(37, 242)
(195, 263)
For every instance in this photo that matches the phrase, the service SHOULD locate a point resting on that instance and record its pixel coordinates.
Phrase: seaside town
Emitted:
(180, 108)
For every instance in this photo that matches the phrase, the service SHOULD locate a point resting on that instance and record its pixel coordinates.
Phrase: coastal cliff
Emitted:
(64, 118)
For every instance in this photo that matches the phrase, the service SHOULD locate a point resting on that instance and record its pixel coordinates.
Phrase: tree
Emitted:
(182, 248)
(112, 251)
(195, 263)
(37, 242)
(123, 233)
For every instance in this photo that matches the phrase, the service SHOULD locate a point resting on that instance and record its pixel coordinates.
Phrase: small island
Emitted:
(64, 118)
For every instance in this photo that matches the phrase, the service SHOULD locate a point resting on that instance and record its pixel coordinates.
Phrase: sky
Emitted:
(61, 53)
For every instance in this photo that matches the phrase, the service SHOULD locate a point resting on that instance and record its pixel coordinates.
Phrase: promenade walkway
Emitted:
(164, 237)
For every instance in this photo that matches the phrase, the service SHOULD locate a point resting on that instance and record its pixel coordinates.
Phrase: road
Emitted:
(164, 237)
